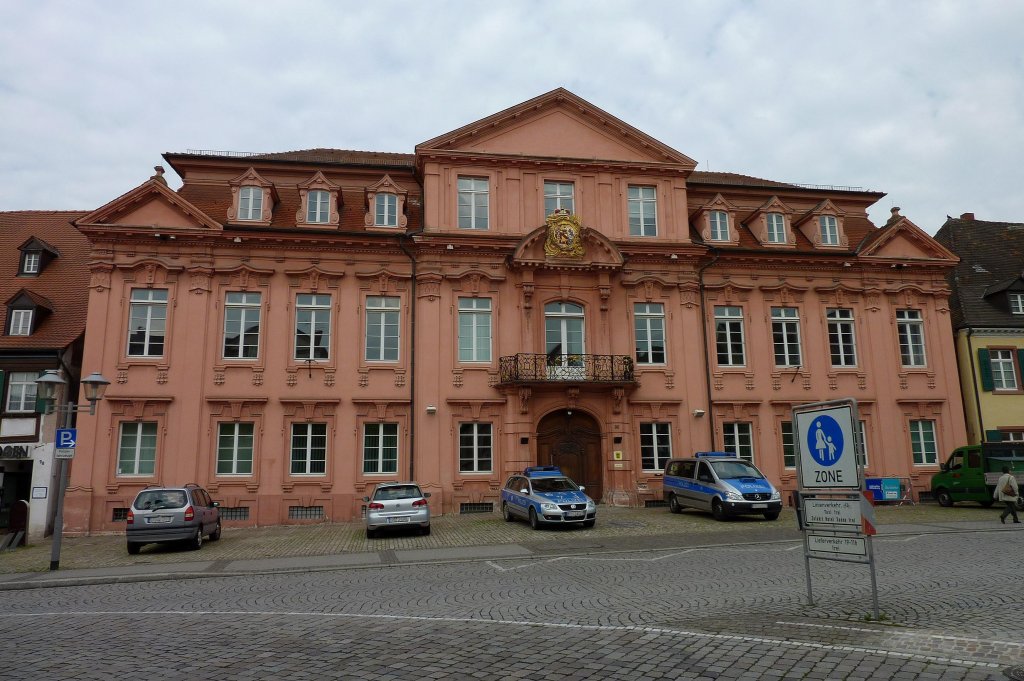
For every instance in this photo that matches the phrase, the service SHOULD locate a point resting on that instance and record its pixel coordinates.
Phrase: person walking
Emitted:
(1007, 491)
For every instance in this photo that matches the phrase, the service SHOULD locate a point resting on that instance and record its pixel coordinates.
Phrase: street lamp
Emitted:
(46, 387)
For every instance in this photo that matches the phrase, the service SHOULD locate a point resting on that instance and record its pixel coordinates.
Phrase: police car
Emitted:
(542, 495)
(722, 483)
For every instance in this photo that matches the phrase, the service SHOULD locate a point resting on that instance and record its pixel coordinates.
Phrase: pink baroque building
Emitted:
(545, 285)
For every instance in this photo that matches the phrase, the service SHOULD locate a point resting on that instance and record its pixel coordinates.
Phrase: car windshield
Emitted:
(728, 470)
(397, 492)
(156, 499)
(554, 485)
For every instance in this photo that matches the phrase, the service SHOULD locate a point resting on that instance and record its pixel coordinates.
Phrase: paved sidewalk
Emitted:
(103, 558)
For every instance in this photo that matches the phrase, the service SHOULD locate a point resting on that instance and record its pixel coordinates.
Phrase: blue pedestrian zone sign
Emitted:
(827, 448)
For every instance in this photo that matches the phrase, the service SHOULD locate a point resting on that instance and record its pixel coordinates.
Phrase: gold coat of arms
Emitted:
(565, 235)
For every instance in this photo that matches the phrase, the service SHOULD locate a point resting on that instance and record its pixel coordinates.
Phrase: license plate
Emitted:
(759, 506)
(574, 514)
(402, 519)
(159, 520)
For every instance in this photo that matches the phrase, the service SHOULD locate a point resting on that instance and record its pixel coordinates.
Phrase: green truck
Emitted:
(970, 473)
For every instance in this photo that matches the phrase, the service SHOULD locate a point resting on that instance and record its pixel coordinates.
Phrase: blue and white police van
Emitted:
(722, 483)
(543, 495)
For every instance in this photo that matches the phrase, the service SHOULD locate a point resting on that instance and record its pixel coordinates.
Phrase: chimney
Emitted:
(967, 216)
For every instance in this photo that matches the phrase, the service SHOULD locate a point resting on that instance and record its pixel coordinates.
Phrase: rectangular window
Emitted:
(829, 230)
(862, 454)
(21, 391)
(643, 211)
(649, 327)
(382, 329)
(719, 225)
(147, 321)
(655, 445)
(841, 340)
(475, 442)
(386, 213)
(910, 328)
(250, 203)
(1017, 303)
(474, 329)
(136, 451)
(234, 449)
(922, 442)
(380, 448)
(1013, 436)
(309, 449)
(312, 326)
(776, 228)
(242, 325)
(30, 262)
(21, 323)
(737, 437)
(1004, 374)
(474, 197)
(318, 206)
(788, 444)
(729, 335)
(786, 336)
(558, 195)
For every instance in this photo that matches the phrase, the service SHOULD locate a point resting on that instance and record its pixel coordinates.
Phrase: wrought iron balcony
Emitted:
(537, 368)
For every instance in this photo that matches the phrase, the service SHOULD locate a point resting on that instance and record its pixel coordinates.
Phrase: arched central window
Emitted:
(564, 340)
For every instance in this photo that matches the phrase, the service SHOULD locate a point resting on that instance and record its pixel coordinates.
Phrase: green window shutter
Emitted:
(3, 375)
(1020, 365)
(985, 367)
(993, 436)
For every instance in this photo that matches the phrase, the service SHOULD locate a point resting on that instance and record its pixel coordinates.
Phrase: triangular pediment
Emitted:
(151, 204)
(901, 239)
(557, 125)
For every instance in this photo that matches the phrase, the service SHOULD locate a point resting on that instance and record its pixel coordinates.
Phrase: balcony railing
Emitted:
(532, 368)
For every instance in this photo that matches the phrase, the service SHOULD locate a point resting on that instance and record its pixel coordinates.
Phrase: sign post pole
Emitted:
(64, 450)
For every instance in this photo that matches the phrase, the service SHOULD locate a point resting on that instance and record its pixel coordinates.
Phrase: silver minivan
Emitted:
(722, 483)
(172, 514)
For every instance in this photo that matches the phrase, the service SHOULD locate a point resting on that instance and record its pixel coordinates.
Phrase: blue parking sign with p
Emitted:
(66, 438)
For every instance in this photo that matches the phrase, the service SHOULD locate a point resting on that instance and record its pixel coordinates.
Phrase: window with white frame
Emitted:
(719, 225)
(841, 339)
(776, 228)
(1016, 303)
(21, 323)
(738, 438)
(309, 449)
(862, 454)
(21, 391)
(147, 322)
(1013, 436)
(655, 445)
(829, 230)
(558, 196)
(922, 441)
(234, 448)
(788, 444)
(312, 326)
(649, 328)
(382, 318)
(250, 203)
(30, 262)
(910, 329)
(241, 325)
(786, 336)
(1004, 374)
(136, 451)
(385, 212)
(318, 206)
(380, 448)
(643, 211)
(729, 335)
(474, 329)
(474, 197)
(475, 448)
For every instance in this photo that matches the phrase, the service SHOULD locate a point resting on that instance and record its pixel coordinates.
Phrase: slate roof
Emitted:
(991, 262)
(63, 283)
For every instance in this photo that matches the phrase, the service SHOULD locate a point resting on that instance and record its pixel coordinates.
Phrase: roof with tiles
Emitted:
(312, 156)
(991, 265)
(63, 283)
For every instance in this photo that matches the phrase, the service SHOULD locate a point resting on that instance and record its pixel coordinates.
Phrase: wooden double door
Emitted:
(571, 440)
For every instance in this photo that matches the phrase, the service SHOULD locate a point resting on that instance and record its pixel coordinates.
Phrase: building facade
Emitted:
(988, 320)
(546, 285)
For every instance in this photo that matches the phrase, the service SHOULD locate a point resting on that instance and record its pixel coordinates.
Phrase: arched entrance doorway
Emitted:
(571, 440)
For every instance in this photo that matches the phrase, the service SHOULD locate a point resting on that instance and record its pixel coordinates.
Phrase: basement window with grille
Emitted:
(485, 507)
(305, 513)
(655, 503)
(234, 512)
(120, 515)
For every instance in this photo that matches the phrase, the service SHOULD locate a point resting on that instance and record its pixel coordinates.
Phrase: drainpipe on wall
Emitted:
(412, 344)
(704, 339)
(974, 385)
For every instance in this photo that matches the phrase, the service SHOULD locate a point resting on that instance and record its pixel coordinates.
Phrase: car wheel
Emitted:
(506, 513)
(771, 515)
(425, 530)
(215, 535)
(673, 504)
(717, 510)
(534, 520)
(196, 542)
(133, 548)
(944, 498)
(589, 523)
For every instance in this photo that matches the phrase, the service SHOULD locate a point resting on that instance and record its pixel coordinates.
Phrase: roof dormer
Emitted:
(318, 203)
(25, 312)
(716, 222)
(252, 199)
(36, 254)
(385, 205)
(772, 224)
(823, 226)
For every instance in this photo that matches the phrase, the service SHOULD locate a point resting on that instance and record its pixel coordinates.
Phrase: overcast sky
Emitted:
(921, 100)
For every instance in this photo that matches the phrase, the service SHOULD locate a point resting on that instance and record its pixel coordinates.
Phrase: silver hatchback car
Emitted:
(172, 514)
(397, 504)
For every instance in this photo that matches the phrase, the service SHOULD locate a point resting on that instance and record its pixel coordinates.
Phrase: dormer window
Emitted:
(385, 205)
(386, 211)
(21, 323)
(319, 203)
(36, 254)
(30, 262)
(829, 230)
(776, 223)
(318, 207)
(1017, 303)
(250, 203)
(25, 312)
(716, 221)
(719, 225)
(253, 199)
(823, 226)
